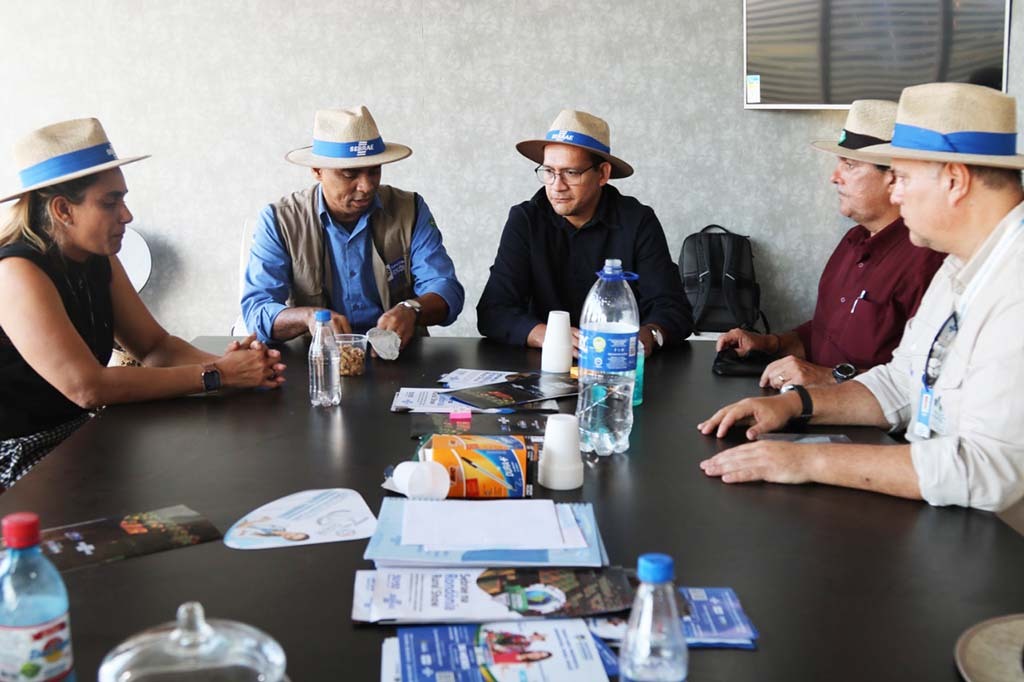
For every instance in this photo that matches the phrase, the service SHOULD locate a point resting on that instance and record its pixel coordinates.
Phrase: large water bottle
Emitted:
(324, 364)
(654, 648)
(35, 632)
(609, 329)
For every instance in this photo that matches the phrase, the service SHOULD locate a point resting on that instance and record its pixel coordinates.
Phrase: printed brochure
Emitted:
(516, 651)
(478, 595)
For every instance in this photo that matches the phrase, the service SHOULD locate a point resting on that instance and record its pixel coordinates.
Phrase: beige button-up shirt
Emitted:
(974, 456)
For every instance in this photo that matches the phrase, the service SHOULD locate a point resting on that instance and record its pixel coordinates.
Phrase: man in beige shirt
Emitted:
(956, 381)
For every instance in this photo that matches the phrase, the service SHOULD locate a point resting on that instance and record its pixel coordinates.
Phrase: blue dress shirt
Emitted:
(354, 292)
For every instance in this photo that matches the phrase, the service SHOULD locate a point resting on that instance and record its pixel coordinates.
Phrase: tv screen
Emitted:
(823, 54)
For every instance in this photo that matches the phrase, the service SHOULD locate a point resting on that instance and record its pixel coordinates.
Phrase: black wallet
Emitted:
(729, 364)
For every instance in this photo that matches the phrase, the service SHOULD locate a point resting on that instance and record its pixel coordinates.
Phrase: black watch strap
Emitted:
(806, 404)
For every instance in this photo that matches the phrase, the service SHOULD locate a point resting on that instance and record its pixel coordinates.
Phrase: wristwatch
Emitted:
(659, 338)
(211, 378)
(806, 404)
(413, 305)
(844, 371)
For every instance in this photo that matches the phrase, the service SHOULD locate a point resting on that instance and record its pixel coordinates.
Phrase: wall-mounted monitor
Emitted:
(823, 54)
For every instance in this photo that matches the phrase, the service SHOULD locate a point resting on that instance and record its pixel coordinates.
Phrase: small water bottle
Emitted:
(324, 364)
(35, 632)
(609, 333)
(654, 648)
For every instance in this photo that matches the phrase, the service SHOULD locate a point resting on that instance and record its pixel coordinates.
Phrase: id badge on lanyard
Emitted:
(923, 422)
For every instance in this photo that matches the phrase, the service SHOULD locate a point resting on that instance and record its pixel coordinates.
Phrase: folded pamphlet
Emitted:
(479, 595)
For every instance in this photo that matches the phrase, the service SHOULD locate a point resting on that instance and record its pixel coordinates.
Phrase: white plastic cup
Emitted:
(556, 352)
(421, 480)
(561, 465)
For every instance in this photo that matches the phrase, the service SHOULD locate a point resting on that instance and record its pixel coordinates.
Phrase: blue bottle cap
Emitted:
(323, 316)
(655, 568)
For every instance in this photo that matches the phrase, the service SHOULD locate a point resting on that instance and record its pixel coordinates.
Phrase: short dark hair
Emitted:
(597, 159)
(996, 178)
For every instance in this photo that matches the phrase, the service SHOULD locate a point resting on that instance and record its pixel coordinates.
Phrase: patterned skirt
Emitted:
(18, 455)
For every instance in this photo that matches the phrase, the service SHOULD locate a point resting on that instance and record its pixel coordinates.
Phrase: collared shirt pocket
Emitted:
(949, 393)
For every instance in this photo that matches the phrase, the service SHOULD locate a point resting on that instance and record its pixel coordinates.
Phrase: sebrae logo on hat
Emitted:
(562, 136)
(362, 147)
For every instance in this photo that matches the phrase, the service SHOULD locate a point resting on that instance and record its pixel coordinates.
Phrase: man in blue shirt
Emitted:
(369, 253)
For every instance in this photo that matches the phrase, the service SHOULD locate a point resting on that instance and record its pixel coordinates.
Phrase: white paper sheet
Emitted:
(467, 378)
(426, 400)
(490, 524)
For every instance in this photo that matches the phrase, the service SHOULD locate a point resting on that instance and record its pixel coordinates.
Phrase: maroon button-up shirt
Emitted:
(870, 287)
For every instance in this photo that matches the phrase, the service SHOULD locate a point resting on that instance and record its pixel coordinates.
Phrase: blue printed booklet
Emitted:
(715, 621)
(519, 651)
(385, 548)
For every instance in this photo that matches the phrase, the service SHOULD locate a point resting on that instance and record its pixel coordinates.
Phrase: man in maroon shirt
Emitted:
(871, 285)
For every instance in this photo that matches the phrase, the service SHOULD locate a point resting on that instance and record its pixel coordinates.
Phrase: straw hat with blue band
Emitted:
(64, 151)
(346, 138)
(868, 123)
(578, 129)
(956, 122)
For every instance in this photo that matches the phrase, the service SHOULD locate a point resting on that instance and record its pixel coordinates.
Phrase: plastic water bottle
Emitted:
(654, 648)
(35, 632)
(324, 364)
(609, 327)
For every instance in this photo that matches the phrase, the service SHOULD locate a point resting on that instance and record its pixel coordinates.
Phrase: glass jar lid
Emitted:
(197, 650)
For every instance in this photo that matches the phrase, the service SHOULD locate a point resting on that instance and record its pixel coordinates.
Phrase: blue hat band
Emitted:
(66, 164)
(573, 137)
(923, 139)
(348, 150)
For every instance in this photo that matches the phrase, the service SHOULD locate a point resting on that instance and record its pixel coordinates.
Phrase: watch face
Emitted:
(844, 371)
(211, 380)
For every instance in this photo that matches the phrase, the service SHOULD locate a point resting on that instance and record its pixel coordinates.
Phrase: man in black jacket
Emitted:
(554, 244)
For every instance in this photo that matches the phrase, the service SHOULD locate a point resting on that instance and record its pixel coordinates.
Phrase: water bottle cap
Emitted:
(21, 530)
(323, 316)
(613, 272)
(655, 568)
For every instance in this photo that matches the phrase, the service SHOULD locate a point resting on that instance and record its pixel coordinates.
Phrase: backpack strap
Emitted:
(714, 227)
(729, 288)
(703, 249)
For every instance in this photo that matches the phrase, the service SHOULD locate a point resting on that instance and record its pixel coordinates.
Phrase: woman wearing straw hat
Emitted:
(954, 382)
(67, 298)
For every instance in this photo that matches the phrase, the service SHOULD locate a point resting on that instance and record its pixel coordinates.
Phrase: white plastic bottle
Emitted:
(609, 327)
(35, 633)
(324, 364)
(654, 648)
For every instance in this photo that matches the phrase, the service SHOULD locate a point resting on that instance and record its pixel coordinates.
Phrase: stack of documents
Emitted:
(492, 533)
(531, 651)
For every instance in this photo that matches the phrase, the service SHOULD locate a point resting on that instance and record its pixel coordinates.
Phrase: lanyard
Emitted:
(999, 253)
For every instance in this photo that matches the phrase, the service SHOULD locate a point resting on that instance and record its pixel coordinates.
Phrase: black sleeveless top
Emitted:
(28, 404)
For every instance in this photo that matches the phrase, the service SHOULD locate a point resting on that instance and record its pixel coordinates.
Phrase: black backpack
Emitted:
(718, 275)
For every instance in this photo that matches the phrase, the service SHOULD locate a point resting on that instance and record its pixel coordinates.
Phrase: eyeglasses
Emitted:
(937, 352)
(570, 176)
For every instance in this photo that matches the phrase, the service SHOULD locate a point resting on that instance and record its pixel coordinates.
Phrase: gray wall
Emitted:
(218, 92)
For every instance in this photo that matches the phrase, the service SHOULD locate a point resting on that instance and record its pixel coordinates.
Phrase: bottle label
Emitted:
(608, 351)
(40, 652)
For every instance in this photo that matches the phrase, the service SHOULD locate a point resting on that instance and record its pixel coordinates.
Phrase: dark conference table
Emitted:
(843, 585)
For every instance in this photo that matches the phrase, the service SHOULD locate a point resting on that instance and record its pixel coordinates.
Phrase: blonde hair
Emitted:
(31, 217)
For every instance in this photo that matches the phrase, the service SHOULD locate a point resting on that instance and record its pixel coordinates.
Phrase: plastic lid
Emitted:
(612, 265)
(21, 530)
(193, 648)
(323, 316)
(655, 568)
